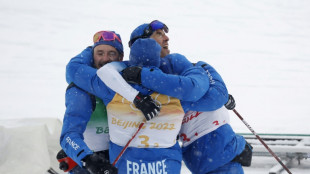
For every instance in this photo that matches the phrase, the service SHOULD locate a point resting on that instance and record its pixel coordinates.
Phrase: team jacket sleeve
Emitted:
(75, 64)
(110, 75)
(78, 113)
(80, 71)
(187, 83)
(216, 96)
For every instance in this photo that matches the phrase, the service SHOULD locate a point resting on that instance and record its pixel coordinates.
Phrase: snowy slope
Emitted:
(261, 48)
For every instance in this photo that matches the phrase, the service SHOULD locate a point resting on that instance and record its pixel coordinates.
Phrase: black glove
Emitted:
(231, 104)
(245, 158)
(96, 164)
(132, 74)
(66, 164)
(147, 105)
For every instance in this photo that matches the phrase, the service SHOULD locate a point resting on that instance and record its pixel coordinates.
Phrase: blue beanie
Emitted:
(138, 31)
(145, 30)
(115, 43)
(145, 52)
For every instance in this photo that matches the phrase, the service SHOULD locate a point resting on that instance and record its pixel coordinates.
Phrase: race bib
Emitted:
(97, 131)
(160, 132)
(197, 124)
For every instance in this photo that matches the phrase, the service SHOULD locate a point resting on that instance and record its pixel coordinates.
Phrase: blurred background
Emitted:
(261, 49)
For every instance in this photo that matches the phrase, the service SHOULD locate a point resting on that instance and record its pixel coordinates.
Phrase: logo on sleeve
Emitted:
(72, 144)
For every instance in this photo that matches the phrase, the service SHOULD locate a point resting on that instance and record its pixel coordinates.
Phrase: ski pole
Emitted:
(126, 146)
(270, 151)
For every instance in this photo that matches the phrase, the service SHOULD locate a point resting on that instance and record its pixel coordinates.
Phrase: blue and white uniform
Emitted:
(149, 151)
(85, 126)
(209, 142)
(196, 128)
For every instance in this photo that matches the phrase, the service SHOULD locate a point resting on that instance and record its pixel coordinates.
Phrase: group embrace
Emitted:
(147, 114)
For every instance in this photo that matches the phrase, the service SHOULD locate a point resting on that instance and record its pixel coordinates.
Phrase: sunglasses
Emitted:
(106, 36)
(148, 31)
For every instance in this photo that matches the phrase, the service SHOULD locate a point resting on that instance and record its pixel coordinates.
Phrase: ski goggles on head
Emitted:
(148, 31)
(106, 36)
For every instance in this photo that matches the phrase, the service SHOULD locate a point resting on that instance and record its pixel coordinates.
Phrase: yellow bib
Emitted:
(124, 119)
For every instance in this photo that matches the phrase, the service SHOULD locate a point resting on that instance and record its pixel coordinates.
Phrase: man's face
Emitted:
(162, 39)
(104, 54)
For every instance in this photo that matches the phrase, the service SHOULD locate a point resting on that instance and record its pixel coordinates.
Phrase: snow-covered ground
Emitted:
(261, 49)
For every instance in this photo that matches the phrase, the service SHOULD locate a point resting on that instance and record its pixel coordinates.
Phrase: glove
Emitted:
(96, 164)
(147, 105)
(245, 158)
(231, 104)
(65, 163)
(132, 74)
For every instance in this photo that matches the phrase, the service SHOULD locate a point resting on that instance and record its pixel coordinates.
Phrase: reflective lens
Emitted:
(155, 25)
(106, 36)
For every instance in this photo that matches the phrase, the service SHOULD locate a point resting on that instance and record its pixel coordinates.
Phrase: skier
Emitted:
(209, 143)
(150, 151)
(88, 145)
(236, 142)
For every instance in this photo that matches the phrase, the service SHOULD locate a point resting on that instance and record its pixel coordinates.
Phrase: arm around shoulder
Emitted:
(110, 75)
(187, 83)
(85, 58)
(80, 71)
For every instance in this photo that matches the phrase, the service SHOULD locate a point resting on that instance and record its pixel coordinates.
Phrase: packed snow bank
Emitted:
(29, 145)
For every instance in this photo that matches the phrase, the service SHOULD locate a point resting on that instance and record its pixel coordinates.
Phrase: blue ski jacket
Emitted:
(84, 76)
(78, 112)
(217, 148)
(189, 83)
(193, 97)
(200, 87)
